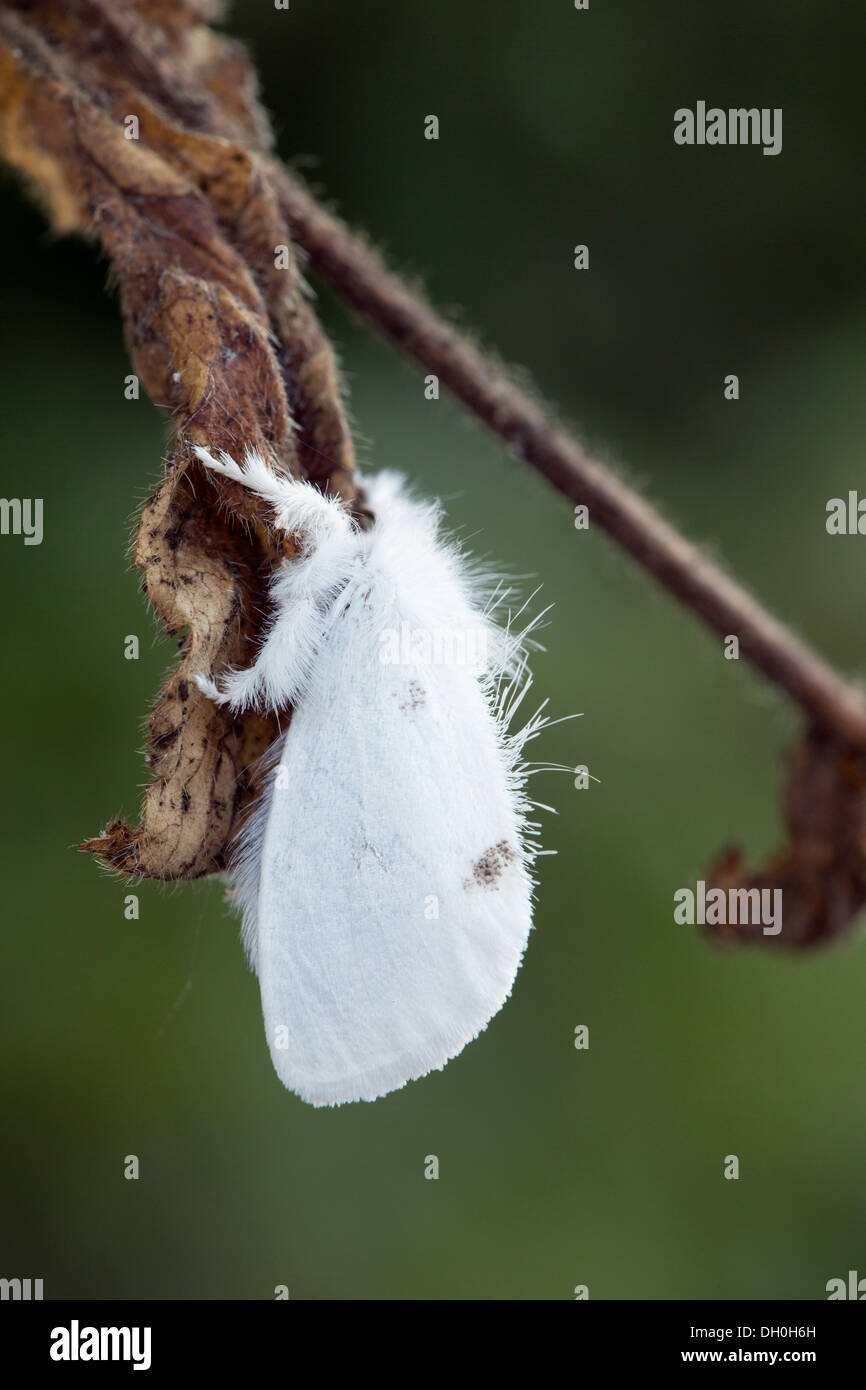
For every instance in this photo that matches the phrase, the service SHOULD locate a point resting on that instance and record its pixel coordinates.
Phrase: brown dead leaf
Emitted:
(822, 870)
(221, 336)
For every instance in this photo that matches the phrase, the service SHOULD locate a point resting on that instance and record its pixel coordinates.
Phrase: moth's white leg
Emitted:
(301, 590)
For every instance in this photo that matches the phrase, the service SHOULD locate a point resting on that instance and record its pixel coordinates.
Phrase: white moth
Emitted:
(384, 877)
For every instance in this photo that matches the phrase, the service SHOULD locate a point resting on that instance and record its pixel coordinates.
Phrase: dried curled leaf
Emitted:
(822, 870)
(220, 334)
(197, 577)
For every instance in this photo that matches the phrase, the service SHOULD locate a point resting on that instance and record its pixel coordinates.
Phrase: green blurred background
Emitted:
(557, 1167)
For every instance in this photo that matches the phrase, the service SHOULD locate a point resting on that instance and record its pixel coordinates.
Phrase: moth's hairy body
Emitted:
(384, 878)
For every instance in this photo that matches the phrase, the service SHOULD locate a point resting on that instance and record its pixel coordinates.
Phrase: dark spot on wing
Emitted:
(414, 697)
(487, 872)
(365, 851)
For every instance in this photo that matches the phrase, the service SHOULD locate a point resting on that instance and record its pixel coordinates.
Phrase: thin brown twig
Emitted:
(358, 275)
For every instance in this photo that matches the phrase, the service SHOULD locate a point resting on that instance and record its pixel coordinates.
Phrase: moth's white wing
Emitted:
(391, 881)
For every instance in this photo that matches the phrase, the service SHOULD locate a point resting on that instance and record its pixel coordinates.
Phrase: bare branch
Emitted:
(359, 276)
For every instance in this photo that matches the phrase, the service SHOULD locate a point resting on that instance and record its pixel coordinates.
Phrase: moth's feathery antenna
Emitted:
(298, 506)
(301, 590)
